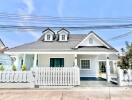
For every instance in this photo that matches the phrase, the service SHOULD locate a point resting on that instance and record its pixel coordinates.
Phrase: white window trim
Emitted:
(81, 66)
(51, 37)
(60, 37)
(57, 57)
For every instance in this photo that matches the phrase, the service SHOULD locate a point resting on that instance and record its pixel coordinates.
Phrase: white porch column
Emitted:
(24, 59)
(75, 61)
(108, 70)
(35, 61)
(114, 66)
(17, 62)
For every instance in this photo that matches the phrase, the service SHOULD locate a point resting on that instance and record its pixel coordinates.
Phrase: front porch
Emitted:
(59, 68)
(90, 65)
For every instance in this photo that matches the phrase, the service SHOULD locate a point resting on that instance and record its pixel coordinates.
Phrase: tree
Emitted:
(126, 60)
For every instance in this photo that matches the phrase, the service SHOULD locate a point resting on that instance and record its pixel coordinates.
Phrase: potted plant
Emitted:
(2, 68)
(24, 67)
(14, 68)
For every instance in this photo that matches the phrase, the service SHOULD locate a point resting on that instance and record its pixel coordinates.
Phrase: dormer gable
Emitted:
(63, 34)
(93, 39)
(48, 35)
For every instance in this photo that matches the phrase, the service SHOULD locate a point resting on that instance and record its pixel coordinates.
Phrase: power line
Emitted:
(65, 19)
(58, 22)
(121, 36)
(4, 27)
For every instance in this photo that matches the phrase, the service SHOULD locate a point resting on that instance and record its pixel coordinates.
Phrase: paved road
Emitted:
(89, 93)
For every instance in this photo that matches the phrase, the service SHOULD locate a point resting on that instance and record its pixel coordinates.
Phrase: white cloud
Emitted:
(30, 6)
(28, 11)
(60, 8)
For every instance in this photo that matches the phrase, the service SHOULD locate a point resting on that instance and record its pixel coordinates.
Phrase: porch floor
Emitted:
(96, 83)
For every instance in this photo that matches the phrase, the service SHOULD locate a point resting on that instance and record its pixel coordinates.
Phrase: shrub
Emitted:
(14, 68)
(24, 67)
(2, 68)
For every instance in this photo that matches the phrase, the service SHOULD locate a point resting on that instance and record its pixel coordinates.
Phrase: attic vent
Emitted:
(90, 41)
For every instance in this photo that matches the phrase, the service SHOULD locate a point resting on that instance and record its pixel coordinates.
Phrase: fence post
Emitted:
(120, 76)
(129, 75)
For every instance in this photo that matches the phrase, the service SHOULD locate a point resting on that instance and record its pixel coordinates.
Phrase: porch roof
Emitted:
(57, 46)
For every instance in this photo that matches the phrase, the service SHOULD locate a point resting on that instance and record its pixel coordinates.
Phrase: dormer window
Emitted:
(48, 35)
(63, 37)
(63, 34)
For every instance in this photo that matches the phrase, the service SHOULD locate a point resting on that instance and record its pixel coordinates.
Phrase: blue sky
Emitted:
(67, 8)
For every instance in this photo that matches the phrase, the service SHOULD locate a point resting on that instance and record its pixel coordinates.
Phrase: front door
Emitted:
(56, 62)
(102, 68)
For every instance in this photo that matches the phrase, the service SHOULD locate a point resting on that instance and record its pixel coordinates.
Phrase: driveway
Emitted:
(97, 83)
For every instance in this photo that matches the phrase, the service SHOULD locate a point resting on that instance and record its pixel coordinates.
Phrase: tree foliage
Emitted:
(126, 60)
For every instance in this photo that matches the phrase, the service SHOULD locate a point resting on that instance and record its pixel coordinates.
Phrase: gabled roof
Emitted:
(96, 36)
(74, 40)
(63, 29)
(40, 45)
(42, 37)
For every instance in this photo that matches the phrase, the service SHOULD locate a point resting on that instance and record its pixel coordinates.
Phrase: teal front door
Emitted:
(56, 62)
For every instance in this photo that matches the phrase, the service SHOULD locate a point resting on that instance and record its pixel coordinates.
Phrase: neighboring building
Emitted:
(62, 49)
(2, 46)
(5, 59)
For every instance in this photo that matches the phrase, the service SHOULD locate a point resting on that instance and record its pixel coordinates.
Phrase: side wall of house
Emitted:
(44, 59)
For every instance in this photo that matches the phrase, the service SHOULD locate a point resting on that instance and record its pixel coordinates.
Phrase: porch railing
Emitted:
(48, 76)
(16, 77)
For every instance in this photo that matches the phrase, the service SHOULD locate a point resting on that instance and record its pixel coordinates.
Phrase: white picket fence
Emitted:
(124, 79)
(48, 76)
(16, 77)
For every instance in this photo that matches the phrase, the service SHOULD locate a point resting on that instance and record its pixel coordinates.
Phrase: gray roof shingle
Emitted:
(44, 46)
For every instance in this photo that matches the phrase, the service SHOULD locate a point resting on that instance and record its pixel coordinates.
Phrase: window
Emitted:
(48, 37)
(85, 64)
(63, 37)
(90, 41)
(56, 62)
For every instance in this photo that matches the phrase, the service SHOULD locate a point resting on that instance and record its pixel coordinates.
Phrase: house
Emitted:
(5, 59)
(60, 49)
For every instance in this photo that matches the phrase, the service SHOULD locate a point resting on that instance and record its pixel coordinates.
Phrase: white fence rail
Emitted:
(15, 76)
(48, 76)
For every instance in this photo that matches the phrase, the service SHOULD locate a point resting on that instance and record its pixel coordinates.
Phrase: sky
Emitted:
(66, 8)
